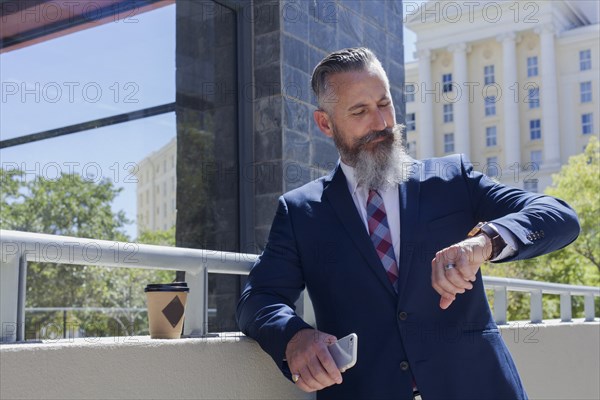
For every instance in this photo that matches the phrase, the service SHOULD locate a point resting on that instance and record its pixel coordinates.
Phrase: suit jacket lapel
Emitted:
(341, 200)
(409, 214)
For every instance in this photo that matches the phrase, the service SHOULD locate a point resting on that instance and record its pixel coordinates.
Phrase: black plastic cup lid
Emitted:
(167, 287)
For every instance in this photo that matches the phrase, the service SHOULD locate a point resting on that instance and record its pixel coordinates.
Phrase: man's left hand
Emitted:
(454, 268)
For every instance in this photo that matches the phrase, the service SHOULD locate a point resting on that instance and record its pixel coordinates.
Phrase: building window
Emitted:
(532, 66)
(448, 142)
(490, 106)
(409, 93)
(587, 123)
(147, 196)
(585, 60)
(535, 129)
(447, 83)
(492, 167)
(533, 97)
(488, 75)
(490, 136)
(448, 113)
(411, 124)
(585, 92)
(536, 158)
(412, 148)
(531, 185)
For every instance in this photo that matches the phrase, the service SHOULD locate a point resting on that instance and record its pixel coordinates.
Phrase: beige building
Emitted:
(512, 84)
(157, 189)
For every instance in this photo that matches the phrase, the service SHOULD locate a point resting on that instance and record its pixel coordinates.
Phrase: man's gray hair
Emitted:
(345, 60)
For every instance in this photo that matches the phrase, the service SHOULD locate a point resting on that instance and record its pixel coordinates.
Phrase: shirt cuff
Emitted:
(511, 242)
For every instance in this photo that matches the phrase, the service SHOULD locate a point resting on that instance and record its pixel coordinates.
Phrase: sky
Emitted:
(120, 66)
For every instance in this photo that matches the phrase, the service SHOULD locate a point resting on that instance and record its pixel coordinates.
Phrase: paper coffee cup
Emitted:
(166, 309)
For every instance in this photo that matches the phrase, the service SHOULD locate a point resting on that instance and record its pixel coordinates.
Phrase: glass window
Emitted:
(411, 124)
(409, 93)
(585, 60)
(587, 124)
(447, 83)
(492, 168)
(412, 148)
(533, 97)
(531, 185)
(448, 113)
(535, 156)
(490, 106)
(535, 129)
(488, 75)
(490, 136)
(102, 69)
(585, 92)
(448, 142)
(532, 66)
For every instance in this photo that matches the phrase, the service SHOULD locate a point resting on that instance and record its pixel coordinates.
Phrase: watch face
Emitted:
(476, 230)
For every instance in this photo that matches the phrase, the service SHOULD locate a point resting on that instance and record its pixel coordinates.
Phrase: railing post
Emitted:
(565, 307)
(536, 309)
(10, 254)
(589, 307)
(196, 309)
(500, 305)
(21, 292)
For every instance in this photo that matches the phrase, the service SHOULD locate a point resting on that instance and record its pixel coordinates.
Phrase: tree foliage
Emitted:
(577, 183)
(73, 206)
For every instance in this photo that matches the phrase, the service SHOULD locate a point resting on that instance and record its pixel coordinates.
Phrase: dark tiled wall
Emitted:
(291, 37)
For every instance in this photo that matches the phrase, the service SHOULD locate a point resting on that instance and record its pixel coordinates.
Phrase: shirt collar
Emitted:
(350, 178)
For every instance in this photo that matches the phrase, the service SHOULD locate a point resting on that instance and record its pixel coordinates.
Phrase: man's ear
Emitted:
(323, 122)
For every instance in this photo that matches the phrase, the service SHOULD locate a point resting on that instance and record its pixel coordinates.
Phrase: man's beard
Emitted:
(376, 165)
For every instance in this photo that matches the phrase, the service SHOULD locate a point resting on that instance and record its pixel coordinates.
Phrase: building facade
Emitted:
(514, 85)
(157, 189)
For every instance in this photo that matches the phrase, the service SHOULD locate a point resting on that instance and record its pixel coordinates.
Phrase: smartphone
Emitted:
(344, 351)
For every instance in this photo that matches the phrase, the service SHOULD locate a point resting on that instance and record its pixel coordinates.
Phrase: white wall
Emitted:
(556, 361)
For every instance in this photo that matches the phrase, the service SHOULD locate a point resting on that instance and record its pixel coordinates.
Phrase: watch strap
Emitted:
(498, 244)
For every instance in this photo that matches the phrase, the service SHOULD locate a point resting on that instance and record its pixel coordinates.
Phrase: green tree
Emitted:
(73, 206)
(577, 183)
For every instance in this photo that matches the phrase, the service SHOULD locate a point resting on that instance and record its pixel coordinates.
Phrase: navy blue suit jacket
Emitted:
(319, 241)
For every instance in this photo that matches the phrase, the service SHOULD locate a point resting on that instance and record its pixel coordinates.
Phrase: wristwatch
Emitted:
(498, 244)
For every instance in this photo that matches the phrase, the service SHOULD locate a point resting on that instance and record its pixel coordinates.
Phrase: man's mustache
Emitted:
(373, 135)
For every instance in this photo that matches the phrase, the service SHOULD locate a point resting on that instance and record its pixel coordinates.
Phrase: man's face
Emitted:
(360, 118)
(360, 112)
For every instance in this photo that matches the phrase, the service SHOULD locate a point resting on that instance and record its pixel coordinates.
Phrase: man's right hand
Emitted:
(310, 362)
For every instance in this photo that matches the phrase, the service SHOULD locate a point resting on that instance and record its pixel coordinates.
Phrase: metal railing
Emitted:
(19, 248)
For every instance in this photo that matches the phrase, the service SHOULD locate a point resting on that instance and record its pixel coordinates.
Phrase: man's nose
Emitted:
(379, 123)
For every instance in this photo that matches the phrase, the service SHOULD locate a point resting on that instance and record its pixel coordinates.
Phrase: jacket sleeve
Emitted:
(540, 223)
(266, 310)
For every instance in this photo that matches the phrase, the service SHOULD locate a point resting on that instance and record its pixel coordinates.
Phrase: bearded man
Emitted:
(390, 248)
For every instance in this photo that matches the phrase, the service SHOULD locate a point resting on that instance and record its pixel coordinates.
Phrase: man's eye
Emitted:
(358, 112)
(385, 104)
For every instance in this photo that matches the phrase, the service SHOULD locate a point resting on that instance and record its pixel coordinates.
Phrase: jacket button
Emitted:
(402, 316)
(404, 366)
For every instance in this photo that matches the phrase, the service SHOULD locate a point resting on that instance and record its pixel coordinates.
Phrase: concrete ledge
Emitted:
(224, 367)
(556, 361)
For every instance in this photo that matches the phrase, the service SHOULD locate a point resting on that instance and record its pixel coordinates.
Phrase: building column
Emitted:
(512, 134)
(426, 145)
(549, 98)
(462, 138)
